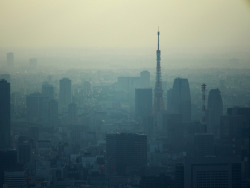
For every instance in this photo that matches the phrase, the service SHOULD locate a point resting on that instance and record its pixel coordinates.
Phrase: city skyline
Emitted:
(86, 103)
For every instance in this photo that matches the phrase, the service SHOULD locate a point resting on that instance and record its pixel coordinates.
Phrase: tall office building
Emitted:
(143, 102)
(15, 179)
(158, 92)
(179, 99)
(234, 133)
(10, 58)
(4, 114)
(8, 161)
(214, 111)
(126, 153)
(212, 172)
(65, 92)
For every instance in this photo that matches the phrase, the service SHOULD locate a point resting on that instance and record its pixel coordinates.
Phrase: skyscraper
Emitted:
(126, 153)
(158, 93)
(4, 114)
(213, 172)
(143, 102)
(65, 92)
(179, 99)
(214, 111)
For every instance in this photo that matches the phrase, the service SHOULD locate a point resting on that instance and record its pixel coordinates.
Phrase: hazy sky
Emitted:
(124, 23)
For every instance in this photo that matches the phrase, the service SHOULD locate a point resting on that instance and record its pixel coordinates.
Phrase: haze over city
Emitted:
(128, 94)
(192, 31)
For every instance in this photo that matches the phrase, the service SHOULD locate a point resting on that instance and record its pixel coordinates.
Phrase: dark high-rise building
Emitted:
(143, 102)
(8, 161)
(158, 92)
(214, 111)
(48, 90)
(15, 179)
(212, 172)
(179, 99)
(65, 92)
(234, 134)
(126, 153)
(4, 114)
(10, 58)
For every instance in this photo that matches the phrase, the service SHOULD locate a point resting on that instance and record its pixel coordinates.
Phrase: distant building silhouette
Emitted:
(10, 58)
(126, 153)
(48, 90)
(145, 79)
(234, 134)
(4, 114)
(15, 179)
(128, 85)
(179, 99)
(8, 161)
(214, 111)
(65, 92)
(33, 62)
(143, 102)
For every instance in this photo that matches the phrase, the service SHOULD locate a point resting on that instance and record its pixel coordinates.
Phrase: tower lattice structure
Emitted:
(158, 92)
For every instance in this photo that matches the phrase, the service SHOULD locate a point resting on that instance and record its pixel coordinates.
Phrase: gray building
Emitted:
(179, 99)
(212, 172)
(214, 112)
(4, 114)
(126, 153)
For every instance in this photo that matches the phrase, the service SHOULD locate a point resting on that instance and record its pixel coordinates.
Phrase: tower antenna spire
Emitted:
(158, 38)
(158, 92)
